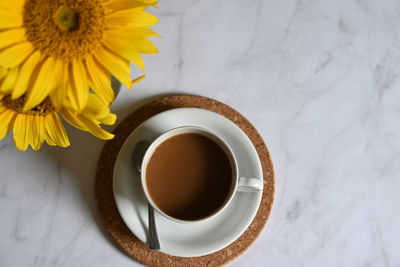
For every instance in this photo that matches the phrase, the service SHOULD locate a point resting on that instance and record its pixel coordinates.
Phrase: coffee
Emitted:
(189, 176)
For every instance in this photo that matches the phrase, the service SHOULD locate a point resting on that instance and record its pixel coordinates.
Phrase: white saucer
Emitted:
(197, 238)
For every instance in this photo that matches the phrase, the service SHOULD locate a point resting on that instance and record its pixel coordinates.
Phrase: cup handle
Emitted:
(246, 184)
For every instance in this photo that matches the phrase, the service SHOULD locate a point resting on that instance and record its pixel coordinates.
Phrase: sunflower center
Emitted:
(66, 19)
(66, 30)
(18, 104)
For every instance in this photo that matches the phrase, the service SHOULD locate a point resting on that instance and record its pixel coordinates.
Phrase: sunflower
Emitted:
(58, 49)
(89, 120)
(42, 123)
(31, 127)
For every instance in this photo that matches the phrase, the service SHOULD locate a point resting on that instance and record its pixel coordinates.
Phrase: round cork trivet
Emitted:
(128, 242)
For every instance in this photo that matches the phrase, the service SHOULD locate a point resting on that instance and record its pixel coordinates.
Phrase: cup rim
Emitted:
(190, 129)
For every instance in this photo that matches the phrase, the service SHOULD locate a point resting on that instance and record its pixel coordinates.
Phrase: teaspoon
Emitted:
(138, 153)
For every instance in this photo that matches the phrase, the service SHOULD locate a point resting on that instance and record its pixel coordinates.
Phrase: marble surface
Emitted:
(319, 79)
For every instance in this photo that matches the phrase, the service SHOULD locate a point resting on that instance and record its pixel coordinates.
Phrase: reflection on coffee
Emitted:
(189, 176)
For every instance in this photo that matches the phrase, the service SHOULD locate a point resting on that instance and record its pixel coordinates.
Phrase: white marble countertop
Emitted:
(319, 80)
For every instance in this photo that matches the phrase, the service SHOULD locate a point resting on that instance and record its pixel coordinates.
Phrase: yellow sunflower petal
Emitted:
(97, 111)
(15, 55)
(56, 134)
(144, 32)
(123, 47)
(22, 131)
(10, 19)
(9, 82)
(78, 91)
(145, 46)
(141, 78)
(131, 17)
(126, 4)
(83, 123)
(12, 37)
(70, 117)
(134, 30)
(7, 118)
(94, 128)
(3, 72)
(94, 108)
(42, 85)
(110, 119)
(25, 74)
(37, 132)
(49, 141)
(58, 95)
(101, 80)
(117, 66)
(16, 5)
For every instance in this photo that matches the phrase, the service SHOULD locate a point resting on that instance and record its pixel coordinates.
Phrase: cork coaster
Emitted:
(128, 242)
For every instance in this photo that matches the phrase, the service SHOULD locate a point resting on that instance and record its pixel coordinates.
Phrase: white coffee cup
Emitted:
(239, 183)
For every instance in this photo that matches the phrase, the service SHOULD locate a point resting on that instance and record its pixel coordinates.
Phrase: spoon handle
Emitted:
(153, 236)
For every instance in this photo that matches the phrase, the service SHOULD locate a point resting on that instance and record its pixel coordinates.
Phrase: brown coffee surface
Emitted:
(189, 176)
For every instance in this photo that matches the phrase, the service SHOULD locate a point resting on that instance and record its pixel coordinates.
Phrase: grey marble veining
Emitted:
(319, 80)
